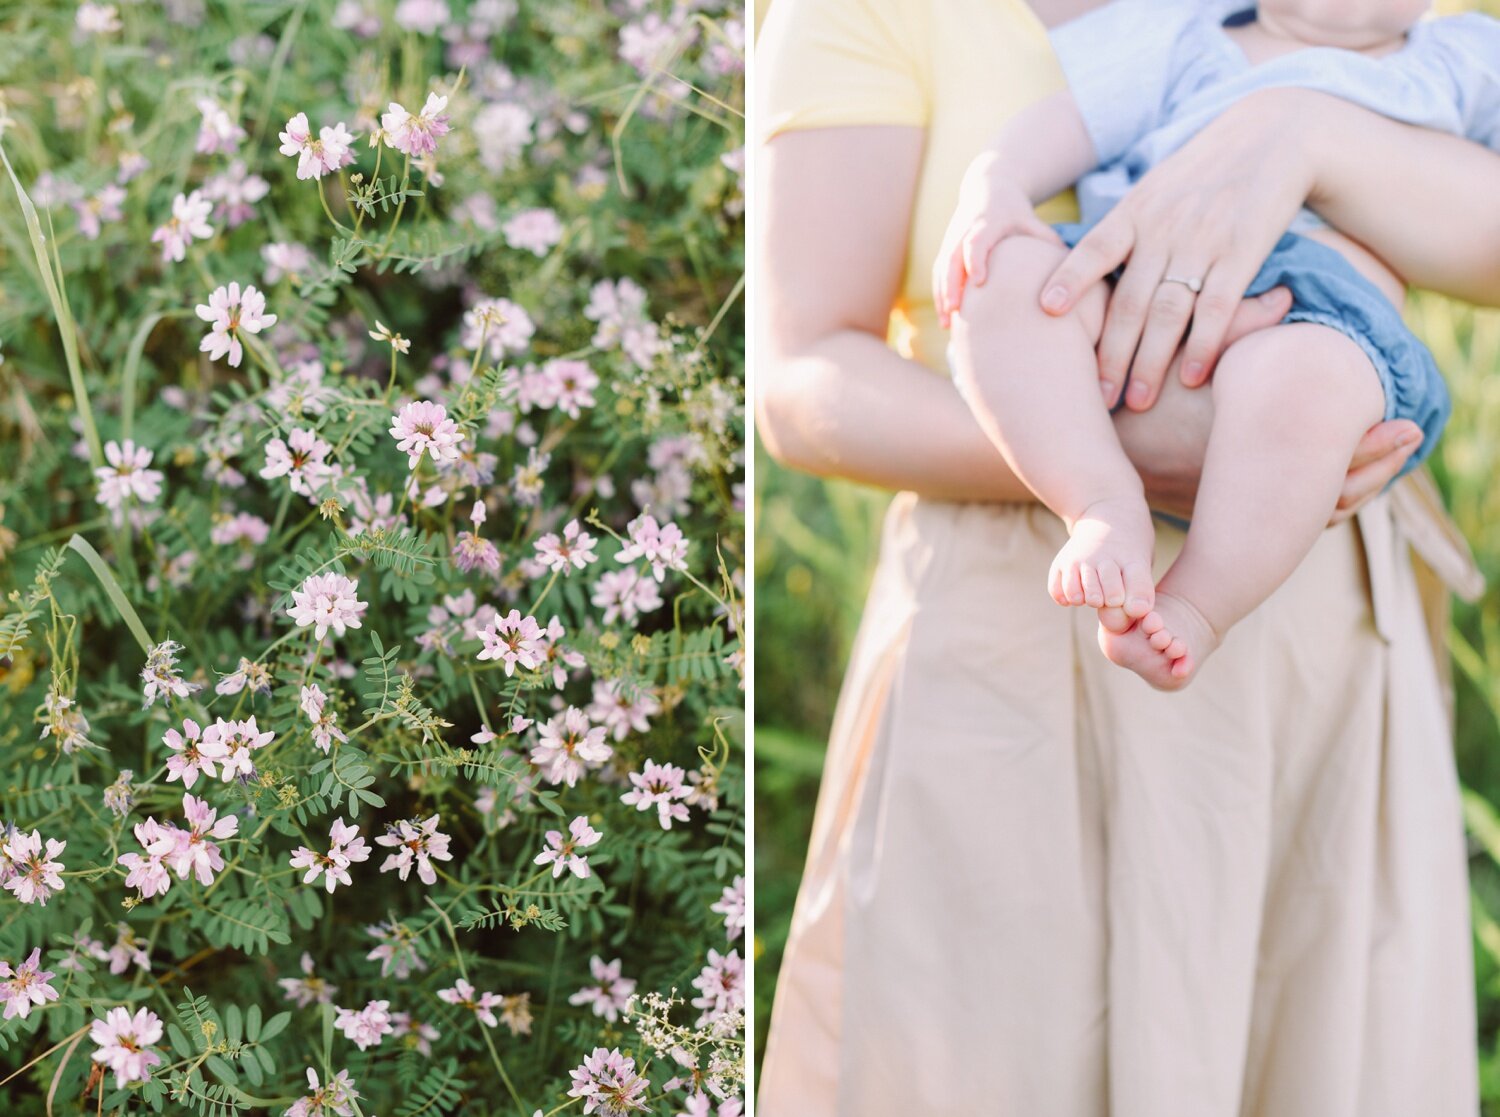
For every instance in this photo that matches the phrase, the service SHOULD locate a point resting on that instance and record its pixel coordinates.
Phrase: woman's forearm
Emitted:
(848, 406)
(1426, 202)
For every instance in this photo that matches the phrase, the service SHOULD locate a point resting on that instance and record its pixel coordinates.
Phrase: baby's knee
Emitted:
(1018, 266)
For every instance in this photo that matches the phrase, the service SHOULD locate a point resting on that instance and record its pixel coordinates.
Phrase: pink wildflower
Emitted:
(416, 135)
(195, 852)
(721, 986)
(348, 847)
(562, 853)
(26, 985)
(622, 709)
(625, 595)
(309, 989)
(316, 157)
(425, 425)
(416, 843)
(533, 230)
(229, 311)
(325, 725)
(34, 873)
(366, 1027)
(611, 995)
(124, 1043)
(127, 477)
(189, 222)
(514, 640)
(301, 459)
(659, 786)
(567, 745)
(336, 1098)
(608, 1083)
(574, 550)
(103, 206)
(327, 601)
(462, 994)
(663, 546)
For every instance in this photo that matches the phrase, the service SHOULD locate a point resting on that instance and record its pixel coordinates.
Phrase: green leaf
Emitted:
(112, 589)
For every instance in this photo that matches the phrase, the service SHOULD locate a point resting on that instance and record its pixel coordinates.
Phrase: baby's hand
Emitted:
(990, 208)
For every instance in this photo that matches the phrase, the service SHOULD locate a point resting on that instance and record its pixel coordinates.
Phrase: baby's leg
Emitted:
(1290, 404)
(1033, 381)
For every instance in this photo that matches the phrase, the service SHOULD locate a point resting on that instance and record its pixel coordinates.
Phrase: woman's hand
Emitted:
(1211, 213)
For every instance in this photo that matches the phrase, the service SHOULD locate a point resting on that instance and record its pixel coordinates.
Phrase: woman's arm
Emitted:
(833, 399)
(1422, 201)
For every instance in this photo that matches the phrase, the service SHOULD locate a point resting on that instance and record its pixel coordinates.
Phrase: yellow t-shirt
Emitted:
(957, 68)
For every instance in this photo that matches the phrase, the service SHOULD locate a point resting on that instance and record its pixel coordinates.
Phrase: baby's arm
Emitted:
(1041, 151)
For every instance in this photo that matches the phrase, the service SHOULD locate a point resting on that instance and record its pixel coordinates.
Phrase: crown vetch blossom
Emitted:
(301, 459)
(622, 709)
(189, 222)
(239, 739)
(316, 157)
(424, 16)
(26, 985)
(327, 601)
(611, 996)
(283, 258)
(308, 989)
(126, 476)
(97, 19)
(399, 951)
(230, 311)
(416, 135)
(562, 853)
(103, 206)
(663, 546)
(218, 133)
(366, 1027)
(721, 986)
(161, 677)
(324, 722)
(567, 745)
(148, 872)
(573, 551)
(463, 995)
(336, 1098)
(254, 676)
(33, 873)
(514, 639)
(533, 230)
(625, 595)
(348, 847)
(425, 425)
(416, 843)
(194, 852)
(499, 325)
(659, 786)
(609, 1084)
(731, 905)
(124, 1043)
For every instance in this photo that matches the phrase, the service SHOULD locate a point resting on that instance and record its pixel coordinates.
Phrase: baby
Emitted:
(1290, 402)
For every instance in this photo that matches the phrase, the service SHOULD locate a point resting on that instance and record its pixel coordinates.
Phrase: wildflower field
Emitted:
(371, 557)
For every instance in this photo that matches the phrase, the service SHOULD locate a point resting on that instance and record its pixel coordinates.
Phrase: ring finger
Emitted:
(1166, 325)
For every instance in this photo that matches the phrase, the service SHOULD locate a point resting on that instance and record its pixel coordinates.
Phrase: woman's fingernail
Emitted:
(1192, 370)
(1055, 298)
(1410, 438)
(1107, 390)
(1139, 393)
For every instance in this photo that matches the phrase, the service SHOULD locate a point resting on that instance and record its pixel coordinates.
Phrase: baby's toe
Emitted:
(1093, 595)
(1114, 619)
(1140, 591)
(1112, 583)
(1160, 641)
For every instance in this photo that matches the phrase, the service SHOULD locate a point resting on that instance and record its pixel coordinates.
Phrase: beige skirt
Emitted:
(1038, 888)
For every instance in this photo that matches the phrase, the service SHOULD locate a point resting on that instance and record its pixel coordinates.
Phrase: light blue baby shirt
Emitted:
(1149, 74)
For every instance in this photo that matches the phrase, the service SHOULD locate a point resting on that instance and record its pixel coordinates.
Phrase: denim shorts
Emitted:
(1328, 291)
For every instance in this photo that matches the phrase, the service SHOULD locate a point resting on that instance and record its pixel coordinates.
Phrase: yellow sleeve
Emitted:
(840, 63)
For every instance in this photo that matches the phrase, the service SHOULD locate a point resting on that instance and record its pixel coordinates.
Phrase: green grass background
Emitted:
(815, 551)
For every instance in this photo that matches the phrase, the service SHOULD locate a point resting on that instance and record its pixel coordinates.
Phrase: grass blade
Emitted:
(112, 589)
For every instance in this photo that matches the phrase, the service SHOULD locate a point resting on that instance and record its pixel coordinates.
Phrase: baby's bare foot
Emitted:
(1106, 563)
(1167, 646)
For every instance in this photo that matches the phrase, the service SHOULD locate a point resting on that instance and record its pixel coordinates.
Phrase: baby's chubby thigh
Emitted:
(1300, 379)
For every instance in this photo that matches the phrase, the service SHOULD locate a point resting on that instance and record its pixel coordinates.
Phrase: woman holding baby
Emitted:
(1038, 885)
